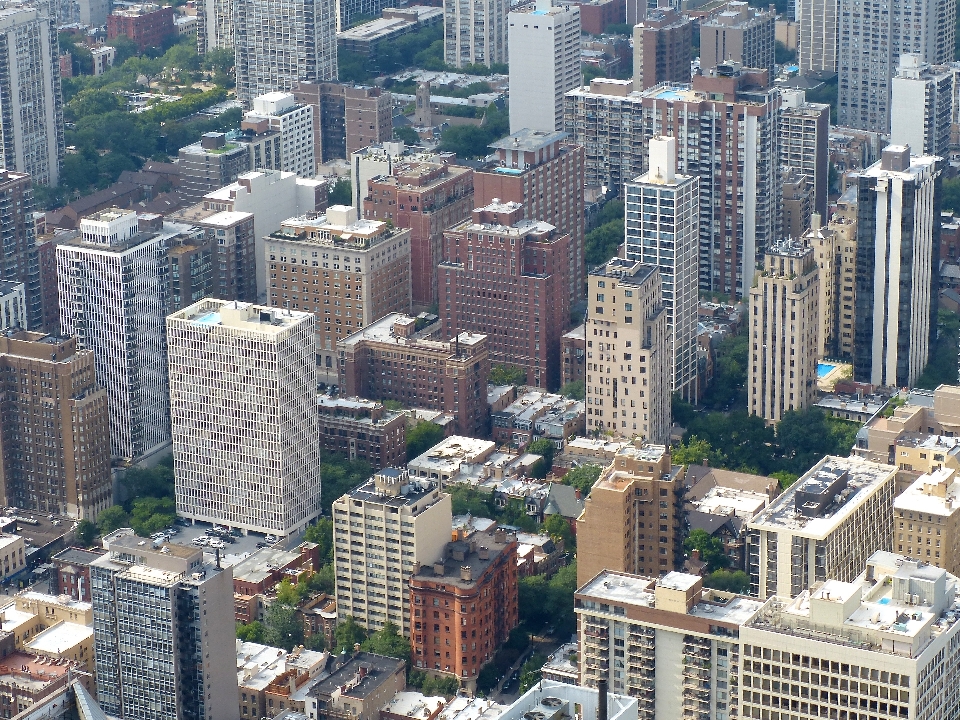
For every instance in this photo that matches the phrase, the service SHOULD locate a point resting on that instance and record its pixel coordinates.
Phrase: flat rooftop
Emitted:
(527, 140)
(260, 565)
(447, 455)
(414, 705)
(936, 493)
(59, 638)
(242, 316)
(731, 502)
(383, 331)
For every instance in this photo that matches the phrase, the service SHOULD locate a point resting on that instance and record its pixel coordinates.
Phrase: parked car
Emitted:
(261, 545)
(271, 539)
(217, 544)
(236, 532)
(200, 541)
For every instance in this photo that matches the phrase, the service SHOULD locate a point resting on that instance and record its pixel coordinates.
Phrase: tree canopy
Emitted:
(421, 437)
(710, 548)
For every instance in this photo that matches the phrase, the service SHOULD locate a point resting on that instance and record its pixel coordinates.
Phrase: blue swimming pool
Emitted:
(824, 369)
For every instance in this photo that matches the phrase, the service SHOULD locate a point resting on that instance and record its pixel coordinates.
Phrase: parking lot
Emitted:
(241, 548)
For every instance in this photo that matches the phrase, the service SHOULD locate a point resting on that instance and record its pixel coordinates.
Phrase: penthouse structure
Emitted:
(526, 161)
(631, 520)
(362, 429)
(390, 360)
(475, 582)
(897, 274)
(785, 327)
(884, 638)
(741, 34)
(628, 387)
(49, 383)
(508, 277)
(661, 48)
(244, 419)
(822, 527)
(426, 198)
(149, 597)
(676, 647)
(408, 519)
(125, 329)
(347, 272)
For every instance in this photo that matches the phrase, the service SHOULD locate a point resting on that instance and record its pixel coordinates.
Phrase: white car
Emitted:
(200, 541)
(217, 544)
(271, 539)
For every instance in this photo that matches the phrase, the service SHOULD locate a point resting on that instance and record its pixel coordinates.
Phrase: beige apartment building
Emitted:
(926, 519)
(784, 331)
(631, 520)
(835, 248)
(348, 272)
(629, 368)
(926, 452)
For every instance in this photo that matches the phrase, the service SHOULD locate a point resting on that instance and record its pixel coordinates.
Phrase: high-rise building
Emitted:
(544, 173)
(113, 297)
(544, 54)
(214, 25)
(675, 646)
(161, 638)
(739, 33)
(450, 377)
(628, 388)
(927, 517)
(31, 126)
(408, 518)
(784, 327)
(49, 383)
(804, 131)
(887, 638)
(818, 24)
(20, 259)
(835, 248)
(797, 203)
(822, 527)
(13, 305)
(347, 272)
(329, 111)
(281, 113)
(243, 410)
(897, 287)
(507, 277)
(210, 164)
(437, 196)
(870, 47)
(662, 229)
(921, 109)
(631, 518)
(476, 578)
(368, 117)
(92, 13)
(279, 43)
(475, 32)
(661, 48)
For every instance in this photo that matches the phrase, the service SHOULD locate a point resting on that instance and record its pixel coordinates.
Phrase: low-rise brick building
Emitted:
(362, 429)
(72, 567)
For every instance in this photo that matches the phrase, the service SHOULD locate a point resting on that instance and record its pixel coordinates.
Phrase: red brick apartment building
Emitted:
(507, 277)
(147, 25)
(465, 605)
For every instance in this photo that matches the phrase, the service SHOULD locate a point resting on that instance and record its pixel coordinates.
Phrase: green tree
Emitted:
(728, 390)
(316, 642)
(113, 518)
(321, 533)
(154, 482)
(590, 72)
(582, 478)
(220, 59)
(126, 48)
(151, 514)
(339, 475)
(942, 364)
(602, 242)
(786, 479)
(388, 641)
(530, 671)
(694, 451)
(421, 437)
(341, 193)
(545, 448)
(323, 580)
(467, 499)
(514, 513)
(282, 628)
(783, 55)
(557, 527)
(575, 390)
(86, 532)
(736, 581)
(406, 134)
(287, 593)
(347, 634)
(251, 632)
(501, 374)
(805, 436)
(710, 547)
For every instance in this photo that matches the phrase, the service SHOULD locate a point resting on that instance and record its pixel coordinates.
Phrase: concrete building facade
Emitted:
(211, 164)
(818, 24)
(661, 48)
(294, 122)
(20, 260)
(739, 33)
(804, 131)
(922, 106)
(475, 33)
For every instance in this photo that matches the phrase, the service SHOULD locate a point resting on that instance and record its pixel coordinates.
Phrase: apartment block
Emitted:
(268, 676)
(329, 111)
(927, 521)
(880, 644)
(20, 261)
(897, 273)
(368, 115)
(919, 452)
(544, 48)
(375, 161)
(573, 353)
(507, 277)
(148, 25)
(390, 360)
(631, 520)
(921, 108)
(475, 33)
(113, 298)
(661, 48)
(408, 519)
(822, 527)
(924, 413)
(797, 201)
(363, 265)
(360, 686)
(49, 383)
(210, 164)
(274, 57)
(804, 131)
(817, 34)
(426, 198)
(362, 429)
(870, 45)
(662, 229)
(667, 641)
(616, 380)
(72, 567)
(835, 247)
(214, 25)
(13, 305)
(159, 653)
(243, 414)
(280, 112)
(741, 34)
(31, 130)
(475, 583)
(784, 331)
(544, 173)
